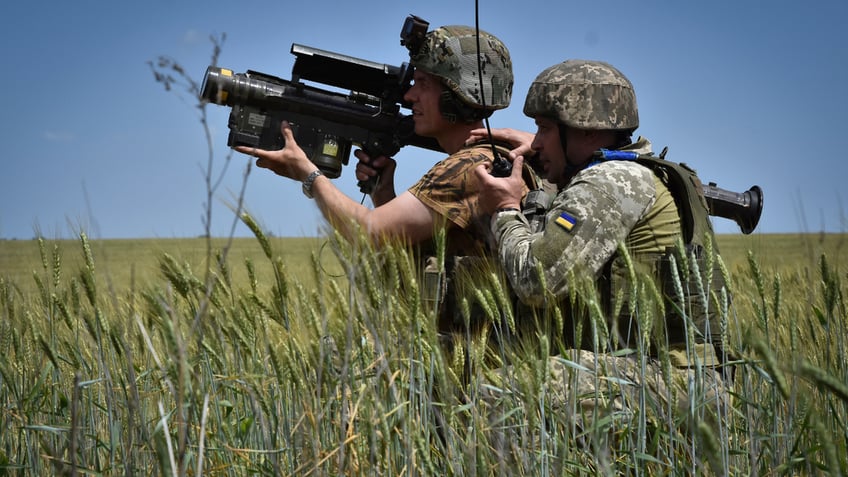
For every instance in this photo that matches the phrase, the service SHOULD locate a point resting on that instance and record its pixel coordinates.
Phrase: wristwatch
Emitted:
(307, 183)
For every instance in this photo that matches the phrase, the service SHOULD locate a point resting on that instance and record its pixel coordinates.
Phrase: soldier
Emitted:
(608, 218)
(448, 100)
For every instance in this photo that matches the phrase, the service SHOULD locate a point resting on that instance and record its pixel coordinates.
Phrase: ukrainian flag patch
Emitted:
(566, 221)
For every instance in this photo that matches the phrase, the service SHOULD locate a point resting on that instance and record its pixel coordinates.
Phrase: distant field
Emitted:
(128, 263)
(776, 251)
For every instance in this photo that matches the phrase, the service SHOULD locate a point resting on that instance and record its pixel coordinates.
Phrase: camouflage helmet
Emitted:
(585, 95)
(450, 52)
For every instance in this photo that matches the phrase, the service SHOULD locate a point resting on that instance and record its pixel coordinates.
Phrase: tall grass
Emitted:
(345, 374)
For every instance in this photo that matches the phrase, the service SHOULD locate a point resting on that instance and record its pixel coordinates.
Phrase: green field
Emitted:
(132, 264)
(306, 356)
(128, 263)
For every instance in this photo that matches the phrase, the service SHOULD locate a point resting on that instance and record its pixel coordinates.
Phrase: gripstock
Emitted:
(326, 123)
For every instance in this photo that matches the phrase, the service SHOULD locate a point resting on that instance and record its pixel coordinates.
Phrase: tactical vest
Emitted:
(688, 276)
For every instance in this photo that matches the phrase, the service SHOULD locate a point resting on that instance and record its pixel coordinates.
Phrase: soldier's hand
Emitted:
(520, 141)
(382, 166)
(500, 192)
(289, 161)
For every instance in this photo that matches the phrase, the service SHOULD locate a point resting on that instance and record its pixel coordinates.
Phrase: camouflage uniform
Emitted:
(606, 202)
(604, 206)
(601, 392)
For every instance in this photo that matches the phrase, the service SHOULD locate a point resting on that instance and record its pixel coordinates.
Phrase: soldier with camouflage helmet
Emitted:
(603, 210)
(580, 107)
(450, 53)
(457, 82)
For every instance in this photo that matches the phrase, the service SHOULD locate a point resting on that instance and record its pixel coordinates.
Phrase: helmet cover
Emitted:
(450, 53)
(584, 94)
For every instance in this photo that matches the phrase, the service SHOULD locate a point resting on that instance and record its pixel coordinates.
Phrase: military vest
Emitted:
(688, 275)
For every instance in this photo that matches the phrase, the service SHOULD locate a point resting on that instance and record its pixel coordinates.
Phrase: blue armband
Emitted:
(610, 155)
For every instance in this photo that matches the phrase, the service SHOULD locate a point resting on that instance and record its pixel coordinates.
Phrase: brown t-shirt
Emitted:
(450, 188)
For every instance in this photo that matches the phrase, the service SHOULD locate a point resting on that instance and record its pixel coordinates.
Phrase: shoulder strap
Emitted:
(688, 193)
(687, 189)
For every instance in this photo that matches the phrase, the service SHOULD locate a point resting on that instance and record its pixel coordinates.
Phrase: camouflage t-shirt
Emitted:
(450, 189)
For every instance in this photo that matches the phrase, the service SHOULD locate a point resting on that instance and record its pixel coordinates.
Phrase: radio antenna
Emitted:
(500, 167)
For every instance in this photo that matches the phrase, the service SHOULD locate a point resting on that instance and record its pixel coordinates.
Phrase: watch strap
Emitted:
(310, 179)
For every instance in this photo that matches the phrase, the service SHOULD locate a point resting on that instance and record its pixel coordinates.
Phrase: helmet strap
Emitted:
(570, 167)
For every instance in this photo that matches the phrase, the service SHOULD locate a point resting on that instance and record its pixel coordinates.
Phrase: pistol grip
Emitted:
(366, 187)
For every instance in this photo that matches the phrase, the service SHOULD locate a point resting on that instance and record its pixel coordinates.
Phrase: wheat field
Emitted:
(290, 356)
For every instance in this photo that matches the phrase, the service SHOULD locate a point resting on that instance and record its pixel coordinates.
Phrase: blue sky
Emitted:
(746, 92)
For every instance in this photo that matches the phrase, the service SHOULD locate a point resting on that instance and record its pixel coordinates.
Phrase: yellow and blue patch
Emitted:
(566, 221)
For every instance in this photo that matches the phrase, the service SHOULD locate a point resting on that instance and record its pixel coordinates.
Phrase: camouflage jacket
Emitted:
(604, 205)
